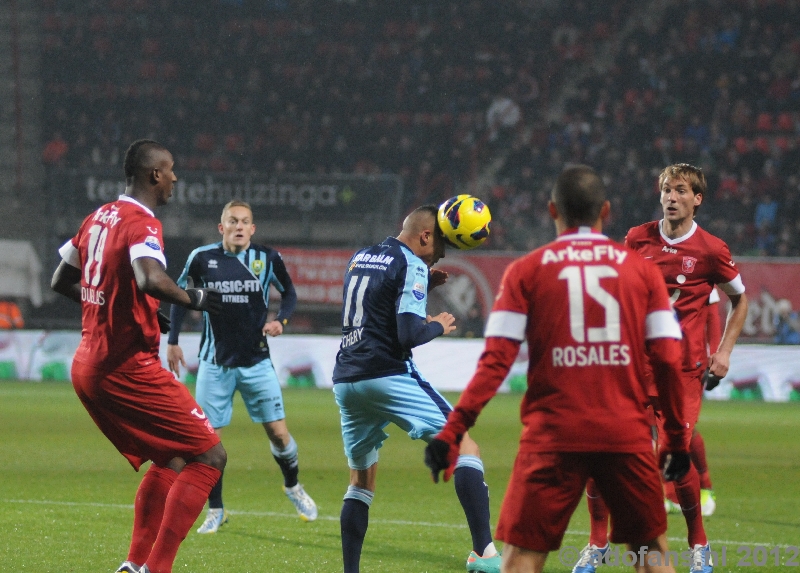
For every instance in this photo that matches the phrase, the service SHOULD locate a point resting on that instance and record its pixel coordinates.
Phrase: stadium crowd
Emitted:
(454, 96)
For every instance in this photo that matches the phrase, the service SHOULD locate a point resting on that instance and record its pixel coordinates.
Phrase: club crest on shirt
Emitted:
(688, 264)
(153, 243)
(418, 291)
(257, 266)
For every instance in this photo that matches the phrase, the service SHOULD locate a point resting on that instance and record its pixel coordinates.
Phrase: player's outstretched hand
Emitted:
(163, 322)
(208, 299)
(710, 381)
(674, 465)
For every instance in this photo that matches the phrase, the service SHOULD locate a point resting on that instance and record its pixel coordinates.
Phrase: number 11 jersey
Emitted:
(120, 328)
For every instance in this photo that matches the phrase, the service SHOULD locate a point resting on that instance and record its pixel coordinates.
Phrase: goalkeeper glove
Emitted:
(441, 454)
(208, 299)
(710, 381)
(163, 322)
(674, 465)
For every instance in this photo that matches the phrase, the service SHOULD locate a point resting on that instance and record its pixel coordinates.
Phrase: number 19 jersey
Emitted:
(120, 327)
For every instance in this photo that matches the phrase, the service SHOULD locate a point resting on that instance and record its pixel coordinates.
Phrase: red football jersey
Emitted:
(585, 305)
(691, 266)
(120, 327)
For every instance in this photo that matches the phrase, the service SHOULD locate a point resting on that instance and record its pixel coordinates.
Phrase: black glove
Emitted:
(710, 381)
(163, 322)
(440, 456)
(675, 465)
(208, 299)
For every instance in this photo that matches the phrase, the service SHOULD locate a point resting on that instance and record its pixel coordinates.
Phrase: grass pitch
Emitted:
(66, 495)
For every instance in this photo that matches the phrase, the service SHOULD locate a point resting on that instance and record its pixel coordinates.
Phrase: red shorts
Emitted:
(146, 413)
(545, 488)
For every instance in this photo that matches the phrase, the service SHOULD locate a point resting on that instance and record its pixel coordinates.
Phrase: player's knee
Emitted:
(277, 433)
(216, 457)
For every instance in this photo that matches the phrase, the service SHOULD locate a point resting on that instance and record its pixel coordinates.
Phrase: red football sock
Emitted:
(148, 510)
(688, 490)
(599, 515)
(185, 501)
(697, 449)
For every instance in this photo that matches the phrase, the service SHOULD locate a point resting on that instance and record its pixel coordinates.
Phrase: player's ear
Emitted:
(552, 209)
(425, 237)
(605, 210)
(221, 228)
(698, 198)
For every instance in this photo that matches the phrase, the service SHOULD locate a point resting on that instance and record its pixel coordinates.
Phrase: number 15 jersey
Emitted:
(120, 327)
(586, 306)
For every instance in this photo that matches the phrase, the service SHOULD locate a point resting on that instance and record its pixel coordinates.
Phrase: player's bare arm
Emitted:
(720, 361)
(67, 281)
(151, 279)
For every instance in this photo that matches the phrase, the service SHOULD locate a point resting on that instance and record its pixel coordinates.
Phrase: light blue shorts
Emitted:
(257, 384)
(368, 406)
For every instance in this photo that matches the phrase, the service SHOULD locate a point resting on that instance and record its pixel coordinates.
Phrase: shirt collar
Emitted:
(580, 233)
(129, 199)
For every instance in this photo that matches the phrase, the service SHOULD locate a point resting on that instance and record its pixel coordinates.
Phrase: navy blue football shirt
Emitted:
(233, 337)
(381, 282)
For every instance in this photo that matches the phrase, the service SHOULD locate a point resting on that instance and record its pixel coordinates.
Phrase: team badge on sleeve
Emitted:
(418, 291)
(153, 243)
(257, 266)
(688, 264)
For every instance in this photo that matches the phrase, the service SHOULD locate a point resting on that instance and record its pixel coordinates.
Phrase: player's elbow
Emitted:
(64, 279)
(664, 352)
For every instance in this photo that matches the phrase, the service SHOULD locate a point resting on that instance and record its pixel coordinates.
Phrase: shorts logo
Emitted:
(418, 291)
(688, 264)
(257, 266)
(198, 414)
(153, 243)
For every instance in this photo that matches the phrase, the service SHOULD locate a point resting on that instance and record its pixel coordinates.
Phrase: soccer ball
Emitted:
(464, 221)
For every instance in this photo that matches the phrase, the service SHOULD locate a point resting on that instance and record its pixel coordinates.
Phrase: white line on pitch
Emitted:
(336, 518)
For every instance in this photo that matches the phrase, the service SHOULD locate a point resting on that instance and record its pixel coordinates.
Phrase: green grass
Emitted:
(66, 495)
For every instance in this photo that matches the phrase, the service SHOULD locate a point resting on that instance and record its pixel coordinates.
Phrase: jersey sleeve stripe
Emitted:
(506, 324)
(736, 286)
(142, 250)
(662, 324)
(70, 254)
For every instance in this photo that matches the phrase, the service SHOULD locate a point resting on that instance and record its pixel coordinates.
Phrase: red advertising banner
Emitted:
(475, 277)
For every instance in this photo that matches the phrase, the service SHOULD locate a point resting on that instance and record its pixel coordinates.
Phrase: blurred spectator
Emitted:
(55, 150)
(787, 323)
(10, 315)
(502, 117)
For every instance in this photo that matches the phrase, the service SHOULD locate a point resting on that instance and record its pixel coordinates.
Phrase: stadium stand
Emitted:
(483, 97)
